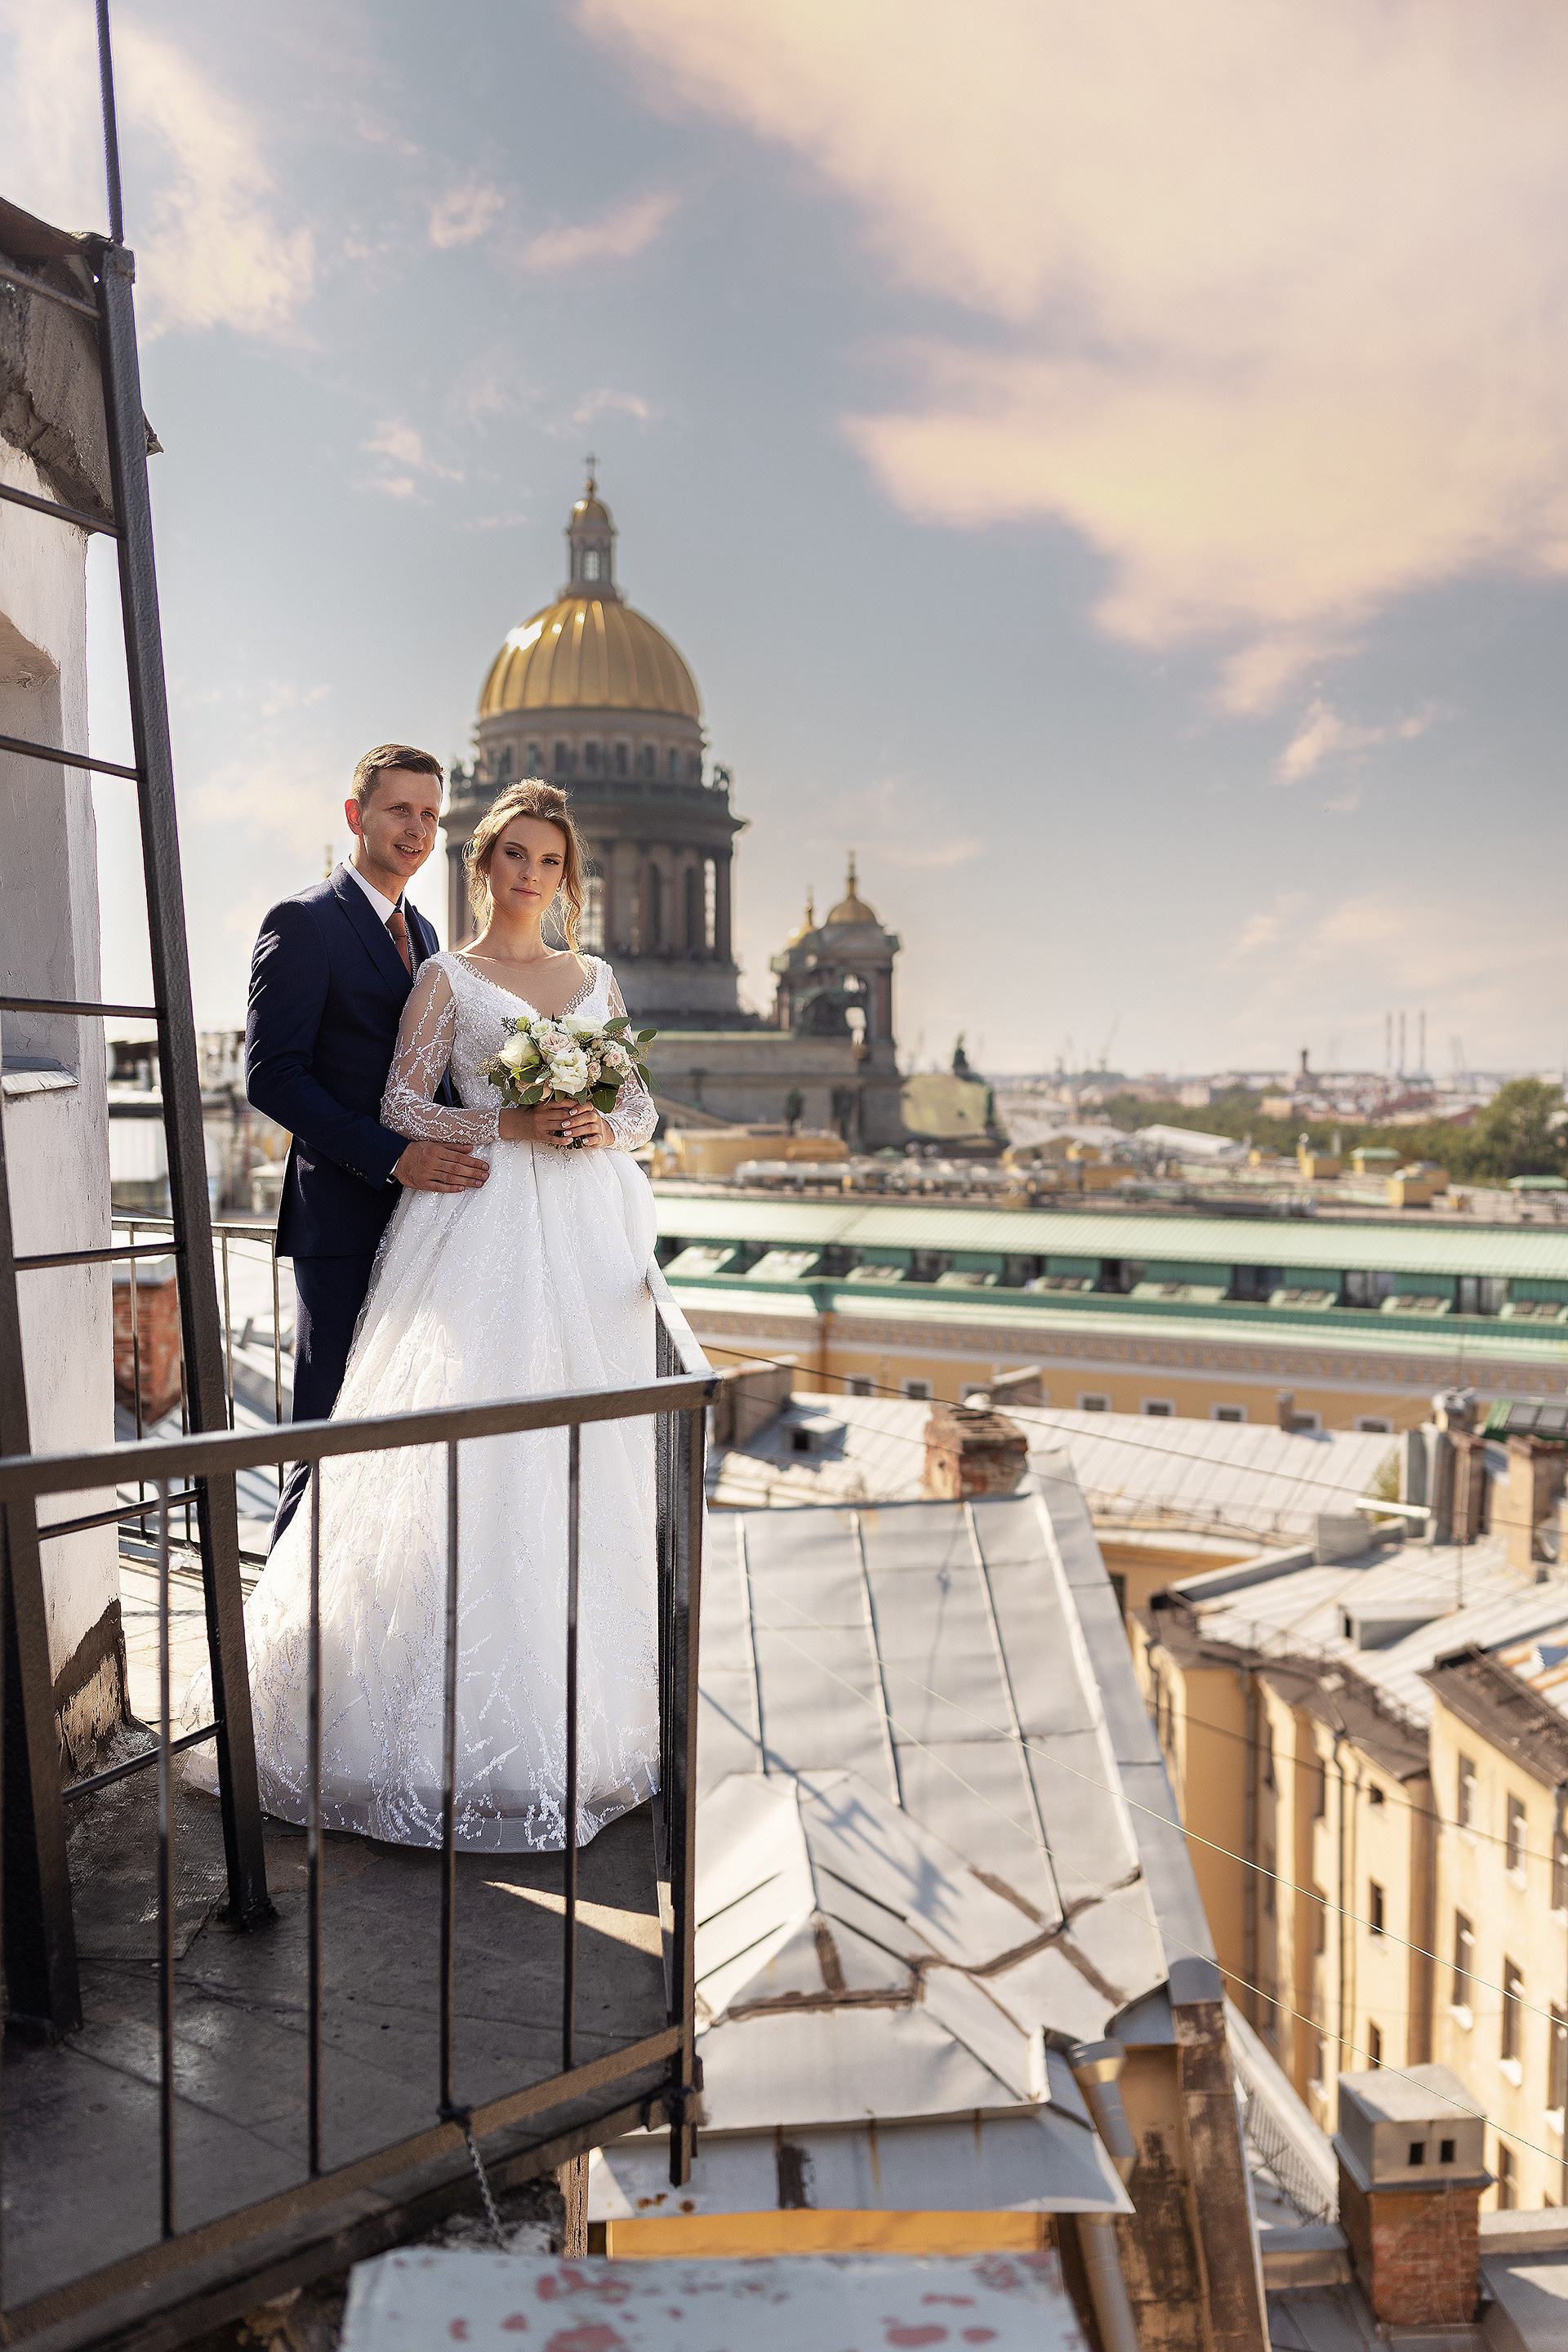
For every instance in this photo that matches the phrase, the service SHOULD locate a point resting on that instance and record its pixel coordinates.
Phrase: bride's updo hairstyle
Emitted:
(532, 797)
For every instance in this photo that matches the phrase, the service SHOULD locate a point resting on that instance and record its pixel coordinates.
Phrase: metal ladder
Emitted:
(40, 1961)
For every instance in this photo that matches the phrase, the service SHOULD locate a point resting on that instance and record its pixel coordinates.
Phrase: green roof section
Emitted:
(1312, 1242)
(1013, 1320)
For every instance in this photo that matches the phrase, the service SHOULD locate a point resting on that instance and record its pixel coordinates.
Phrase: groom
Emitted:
(333, 969)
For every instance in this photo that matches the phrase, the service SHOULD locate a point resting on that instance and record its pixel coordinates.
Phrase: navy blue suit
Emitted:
(326, 991)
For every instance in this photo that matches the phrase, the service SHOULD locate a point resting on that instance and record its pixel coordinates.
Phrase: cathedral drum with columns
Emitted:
(590, 694)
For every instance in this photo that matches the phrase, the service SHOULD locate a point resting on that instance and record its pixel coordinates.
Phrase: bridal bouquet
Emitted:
(569, 1060)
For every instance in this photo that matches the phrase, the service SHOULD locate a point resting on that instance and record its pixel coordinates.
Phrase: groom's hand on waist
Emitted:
(440, 1168)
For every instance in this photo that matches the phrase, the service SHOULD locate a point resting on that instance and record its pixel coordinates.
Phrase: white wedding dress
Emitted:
(535, 1282)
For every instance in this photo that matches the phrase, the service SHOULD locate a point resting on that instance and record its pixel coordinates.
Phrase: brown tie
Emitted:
(399, 929)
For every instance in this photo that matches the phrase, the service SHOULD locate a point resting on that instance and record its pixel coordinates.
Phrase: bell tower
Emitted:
(591, 537)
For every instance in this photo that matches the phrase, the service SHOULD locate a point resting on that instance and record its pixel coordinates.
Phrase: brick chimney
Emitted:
(1469, 1489)
(971, 1450)
(1411, 2149)
(1535, 1475)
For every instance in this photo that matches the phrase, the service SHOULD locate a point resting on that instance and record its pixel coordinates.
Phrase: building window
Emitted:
(623, 759)
(675, 767)
(693, 888)
(591, 757)
(1306, 1424)
(917, 1389)
(1465, 1791)
(710, 902)
(591, 564)
(1320, 1793)
(655, 909)
(1513, 2007)
(1256, 1281)
(1374, 2045)
(1158, 1408)
(1227, 1412)
(1514, 1842)
(1368, 1289)
(503, 765)
(1374, 1795)
(1374, 1424)
(591, 929)
(1463, 1960)
(857, 1384)
(1507, 2184)
(1320, 1921)
(1557, 2062)
(1482, 1293)
(1560, 1867)
(534, 762)
(1374, 1908)
(561, 764)
(1089, 1402)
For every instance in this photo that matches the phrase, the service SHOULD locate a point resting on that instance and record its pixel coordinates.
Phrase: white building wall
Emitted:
(56, 1124)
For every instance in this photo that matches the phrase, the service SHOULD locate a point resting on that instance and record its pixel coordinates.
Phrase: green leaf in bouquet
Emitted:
(531, 1095)
(604, 1097)
(646, 1036)
(613, 1028)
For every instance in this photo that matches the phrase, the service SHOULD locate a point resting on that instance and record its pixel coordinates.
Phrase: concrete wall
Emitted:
(56, 1127)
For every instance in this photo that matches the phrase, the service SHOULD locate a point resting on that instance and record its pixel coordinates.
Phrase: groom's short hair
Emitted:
(393, 755)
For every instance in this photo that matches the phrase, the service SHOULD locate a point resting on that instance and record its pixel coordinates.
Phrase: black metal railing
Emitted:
(677, 1397)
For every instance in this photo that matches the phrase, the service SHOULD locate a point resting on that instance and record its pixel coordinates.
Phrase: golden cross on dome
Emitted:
(593, 462)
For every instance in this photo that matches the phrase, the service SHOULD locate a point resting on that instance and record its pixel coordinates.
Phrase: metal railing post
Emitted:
(681, 1807)
(314, 1822)
(450, 1782)
(569, 1857)
(165, 1885)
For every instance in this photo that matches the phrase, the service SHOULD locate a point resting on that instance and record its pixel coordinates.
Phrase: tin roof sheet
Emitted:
(1414, 1248)
(919, 1733)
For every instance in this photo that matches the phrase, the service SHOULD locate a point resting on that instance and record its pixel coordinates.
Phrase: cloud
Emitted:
(211, 248)
(1322, 735)
(1263, 299)
(602, 402)
(618, 234)
(957, 852)
(464, 213)
(401, 448)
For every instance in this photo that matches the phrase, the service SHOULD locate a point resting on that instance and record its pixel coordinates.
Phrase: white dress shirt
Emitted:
(384, 908)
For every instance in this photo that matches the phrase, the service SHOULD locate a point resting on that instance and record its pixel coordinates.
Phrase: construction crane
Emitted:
(1109, 1041)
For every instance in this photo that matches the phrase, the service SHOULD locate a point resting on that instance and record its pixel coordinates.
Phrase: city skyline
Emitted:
(1155, 573)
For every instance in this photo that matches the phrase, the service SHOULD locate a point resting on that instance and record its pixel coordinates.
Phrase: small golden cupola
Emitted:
(851, 907)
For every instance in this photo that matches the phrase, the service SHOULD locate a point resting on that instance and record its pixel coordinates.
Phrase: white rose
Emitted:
(569, 1071)
(520, 1052)
(580, 1026)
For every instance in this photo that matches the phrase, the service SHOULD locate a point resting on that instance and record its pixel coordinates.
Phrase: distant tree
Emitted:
(1514, 1136)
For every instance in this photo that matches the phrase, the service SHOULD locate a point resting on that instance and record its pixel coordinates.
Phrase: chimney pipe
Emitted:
(1095, 2067)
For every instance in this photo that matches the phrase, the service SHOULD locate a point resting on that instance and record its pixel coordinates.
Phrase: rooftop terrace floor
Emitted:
(80, 2127)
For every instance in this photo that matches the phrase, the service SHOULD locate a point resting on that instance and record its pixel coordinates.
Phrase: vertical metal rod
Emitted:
(184, 1413)
(228, 1332)
(569, 1962)
(165, 1883)
(111, 129)
(313, 1817)
(450, 1782)
(276, 1355)
(136, 1374)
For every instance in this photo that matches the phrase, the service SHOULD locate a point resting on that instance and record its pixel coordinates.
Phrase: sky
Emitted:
(1107, 468)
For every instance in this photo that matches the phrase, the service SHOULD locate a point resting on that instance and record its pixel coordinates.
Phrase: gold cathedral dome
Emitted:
(589, 650)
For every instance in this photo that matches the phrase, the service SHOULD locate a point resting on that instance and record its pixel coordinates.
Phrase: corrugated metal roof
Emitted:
(920, 1728)
(1404, 1248)
(1459, 1594)
(1241, 1478)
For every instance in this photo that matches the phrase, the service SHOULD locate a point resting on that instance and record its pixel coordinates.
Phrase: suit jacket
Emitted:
(326, 991)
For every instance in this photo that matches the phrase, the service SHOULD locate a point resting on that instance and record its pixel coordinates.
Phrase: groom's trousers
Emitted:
(329, 1293)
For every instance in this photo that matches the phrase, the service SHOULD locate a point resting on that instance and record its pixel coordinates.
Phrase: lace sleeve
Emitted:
(634, 1117)
(424, 1048)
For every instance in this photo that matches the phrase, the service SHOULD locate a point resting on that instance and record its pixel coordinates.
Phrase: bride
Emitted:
(535, 1281)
